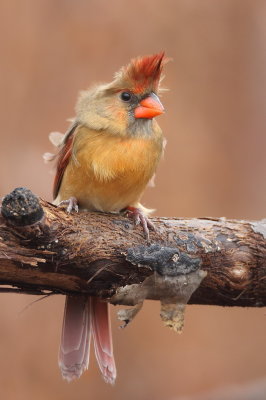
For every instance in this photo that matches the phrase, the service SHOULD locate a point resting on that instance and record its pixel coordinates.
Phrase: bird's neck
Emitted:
(137, 128)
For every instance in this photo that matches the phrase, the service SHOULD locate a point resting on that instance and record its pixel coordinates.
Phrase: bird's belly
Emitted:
(114, 195)
(109, 178)
(107, 196)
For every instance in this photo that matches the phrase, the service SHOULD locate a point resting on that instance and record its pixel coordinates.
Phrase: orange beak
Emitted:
(149, 107)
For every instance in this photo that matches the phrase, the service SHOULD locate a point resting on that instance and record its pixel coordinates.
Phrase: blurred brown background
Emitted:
(214, 165)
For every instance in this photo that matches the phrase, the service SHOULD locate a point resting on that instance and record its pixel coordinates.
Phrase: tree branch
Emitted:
(45, 250)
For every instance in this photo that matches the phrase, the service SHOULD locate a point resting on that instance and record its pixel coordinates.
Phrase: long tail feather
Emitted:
(75, 340)
(102, 337)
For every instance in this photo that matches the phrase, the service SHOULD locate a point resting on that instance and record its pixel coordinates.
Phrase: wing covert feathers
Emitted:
(63, 158)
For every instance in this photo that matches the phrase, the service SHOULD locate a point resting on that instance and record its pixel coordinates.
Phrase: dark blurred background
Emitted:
(214, 165)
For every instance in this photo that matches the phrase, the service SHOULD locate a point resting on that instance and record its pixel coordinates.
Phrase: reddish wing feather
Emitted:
(63, 159)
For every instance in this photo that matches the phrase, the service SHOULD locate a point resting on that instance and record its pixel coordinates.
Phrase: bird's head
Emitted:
(128, 104)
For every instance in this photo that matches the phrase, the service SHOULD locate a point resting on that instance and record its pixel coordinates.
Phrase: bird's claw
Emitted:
(71, 203)
(139, 218)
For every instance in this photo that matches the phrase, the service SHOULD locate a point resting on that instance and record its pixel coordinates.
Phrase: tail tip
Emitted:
(109, 375)
(69, 373)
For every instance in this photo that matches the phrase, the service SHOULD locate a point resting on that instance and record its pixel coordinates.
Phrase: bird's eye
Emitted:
(126, 96)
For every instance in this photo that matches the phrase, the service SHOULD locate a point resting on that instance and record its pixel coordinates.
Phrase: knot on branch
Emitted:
(21, 207)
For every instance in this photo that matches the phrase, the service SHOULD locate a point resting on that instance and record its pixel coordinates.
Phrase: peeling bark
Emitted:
(45, 250)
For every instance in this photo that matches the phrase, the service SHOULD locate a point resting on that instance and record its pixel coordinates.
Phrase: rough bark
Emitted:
(45, 250)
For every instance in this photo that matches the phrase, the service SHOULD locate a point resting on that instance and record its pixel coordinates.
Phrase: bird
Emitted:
(104, 162)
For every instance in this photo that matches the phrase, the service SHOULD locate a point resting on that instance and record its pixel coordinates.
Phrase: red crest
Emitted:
(145, 72)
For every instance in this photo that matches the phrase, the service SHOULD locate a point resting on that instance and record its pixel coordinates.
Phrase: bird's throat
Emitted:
(141, 127)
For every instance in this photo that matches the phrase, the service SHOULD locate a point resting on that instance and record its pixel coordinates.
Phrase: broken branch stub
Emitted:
(21, 207)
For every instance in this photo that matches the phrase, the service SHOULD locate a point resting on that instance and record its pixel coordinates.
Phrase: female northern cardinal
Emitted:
(104, 163)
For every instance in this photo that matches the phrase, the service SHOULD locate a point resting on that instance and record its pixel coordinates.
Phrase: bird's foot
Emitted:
(71, 203)
(140, 218)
